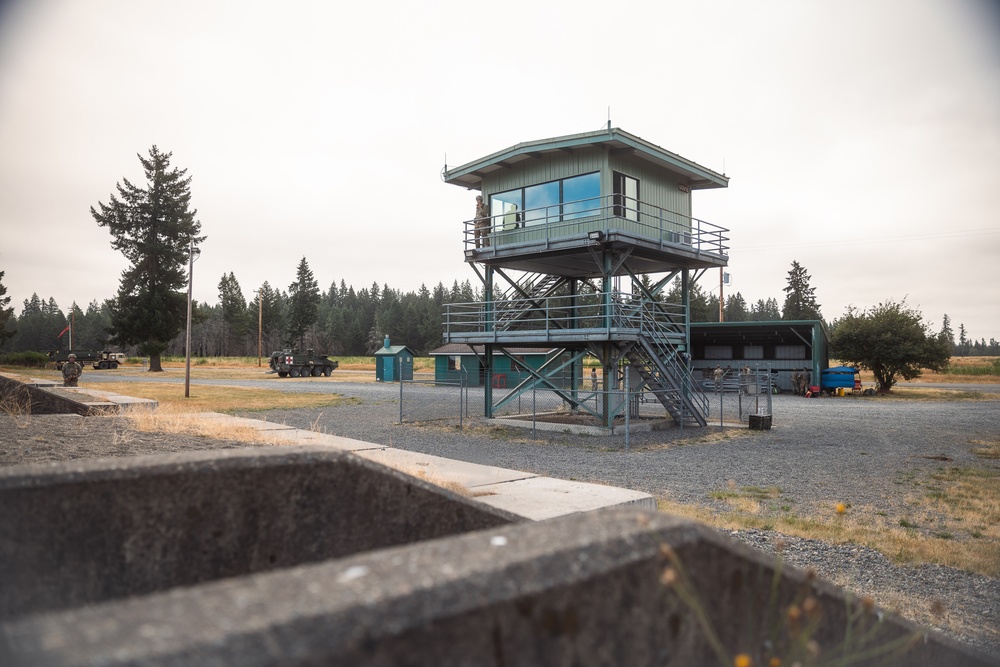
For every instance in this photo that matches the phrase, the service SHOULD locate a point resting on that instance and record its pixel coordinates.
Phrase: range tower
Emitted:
(584, 235)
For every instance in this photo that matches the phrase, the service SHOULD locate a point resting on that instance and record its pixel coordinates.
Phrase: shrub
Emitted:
(26, 359)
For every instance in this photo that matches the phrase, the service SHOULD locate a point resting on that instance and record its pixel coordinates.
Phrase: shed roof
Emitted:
(776, 331)
(697, 177)
(392, 350)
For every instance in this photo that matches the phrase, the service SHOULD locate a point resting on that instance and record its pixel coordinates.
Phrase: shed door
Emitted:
(387, 367)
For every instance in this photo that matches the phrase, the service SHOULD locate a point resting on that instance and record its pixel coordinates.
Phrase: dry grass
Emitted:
(952, 518)
(173, 419)
(15, 402)
(213, 398)
(975, 365)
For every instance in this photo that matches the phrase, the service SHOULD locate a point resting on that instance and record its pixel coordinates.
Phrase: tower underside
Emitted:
(593, 291)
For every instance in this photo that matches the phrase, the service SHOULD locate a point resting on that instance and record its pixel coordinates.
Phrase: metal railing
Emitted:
(607, 213)
(601, 311)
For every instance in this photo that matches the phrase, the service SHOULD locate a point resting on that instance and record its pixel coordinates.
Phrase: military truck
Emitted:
(99, 359)
(290, 362)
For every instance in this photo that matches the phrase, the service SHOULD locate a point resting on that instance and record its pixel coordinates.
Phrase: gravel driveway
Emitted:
(866, 453)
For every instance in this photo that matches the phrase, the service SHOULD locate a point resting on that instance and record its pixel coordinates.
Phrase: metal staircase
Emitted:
(519, 301)
(657, 359)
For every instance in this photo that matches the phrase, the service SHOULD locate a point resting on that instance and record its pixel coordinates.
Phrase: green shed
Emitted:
(455, 363)
(393, 363)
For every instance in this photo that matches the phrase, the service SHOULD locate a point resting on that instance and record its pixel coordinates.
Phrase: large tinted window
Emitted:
(541, 203)
(550, 202)
(506, 207)
(581, 196)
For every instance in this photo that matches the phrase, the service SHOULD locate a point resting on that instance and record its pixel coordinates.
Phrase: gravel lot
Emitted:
(862, 452)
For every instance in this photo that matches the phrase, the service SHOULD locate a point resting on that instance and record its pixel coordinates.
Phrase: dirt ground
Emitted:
(52, 438)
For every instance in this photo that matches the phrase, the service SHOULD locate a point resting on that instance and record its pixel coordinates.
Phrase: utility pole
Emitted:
(192, 251)
(722, 317)
(260, 326)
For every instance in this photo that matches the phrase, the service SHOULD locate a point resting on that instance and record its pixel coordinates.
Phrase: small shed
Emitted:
(393, 363)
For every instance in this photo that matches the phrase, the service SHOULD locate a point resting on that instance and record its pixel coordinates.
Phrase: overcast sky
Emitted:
(862, 137)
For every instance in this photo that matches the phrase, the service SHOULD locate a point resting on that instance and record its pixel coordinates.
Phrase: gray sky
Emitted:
(862, 137)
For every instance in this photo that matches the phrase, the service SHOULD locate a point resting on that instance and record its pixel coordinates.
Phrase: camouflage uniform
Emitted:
(71, 371)
(482, 223)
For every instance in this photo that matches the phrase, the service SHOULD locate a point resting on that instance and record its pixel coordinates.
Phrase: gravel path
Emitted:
(866, 453)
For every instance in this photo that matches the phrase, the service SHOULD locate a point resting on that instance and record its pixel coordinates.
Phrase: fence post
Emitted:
(721, 392)
(628, 410)
(534, 412)
(461, 387)
(399, 378)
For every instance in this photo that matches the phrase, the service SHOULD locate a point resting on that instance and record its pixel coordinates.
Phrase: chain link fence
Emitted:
(740, 398)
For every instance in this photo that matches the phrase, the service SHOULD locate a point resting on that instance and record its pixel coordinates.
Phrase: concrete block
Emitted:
(83, 532)
(541, 498)
(582, 590)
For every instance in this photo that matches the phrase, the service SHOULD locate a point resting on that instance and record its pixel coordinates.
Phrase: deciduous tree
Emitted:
(154, 227)
(891, 340)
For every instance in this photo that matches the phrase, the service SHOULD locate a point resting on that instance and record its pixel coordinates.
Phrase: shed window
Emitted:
(753, 351)
(718, 351)
(454, 363)
(790, 352)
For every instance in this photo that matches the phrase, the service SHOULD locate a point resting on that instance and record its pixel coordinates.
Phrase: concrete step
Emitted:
(523, 493)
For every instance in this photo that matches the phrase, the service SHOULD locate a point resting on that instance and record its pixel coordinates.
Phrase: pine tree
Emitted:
(6, 315)
(800, 298)
(304, 303)
(946, 334)
(155, 228)
(235, 317)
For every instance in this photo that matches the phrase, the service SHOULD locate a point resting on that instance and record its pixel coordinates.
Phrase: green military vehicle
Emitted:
(99, 359)
(291, 362)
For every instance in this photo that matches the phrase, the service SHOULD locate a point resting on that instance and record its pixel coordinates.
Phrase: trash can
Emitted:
(760, 422)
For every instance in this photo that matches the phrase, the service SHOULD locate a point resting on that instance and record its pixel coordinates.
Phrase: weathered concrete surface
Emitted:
(541, 498)
(581, 590)
(84, 532)
(522, 493)
(43, 397)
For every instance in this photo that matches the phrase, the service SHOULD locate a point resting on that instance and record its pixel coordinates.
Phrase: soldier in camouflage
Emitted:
(71, 371)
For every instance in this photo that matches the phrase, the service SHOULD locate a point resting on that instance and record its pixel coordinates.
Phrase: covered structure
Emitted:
(782, 346)
(582, 235)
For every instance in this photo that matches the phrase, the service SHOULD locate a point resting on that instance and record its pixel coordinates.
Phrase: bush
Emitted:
(26, 359)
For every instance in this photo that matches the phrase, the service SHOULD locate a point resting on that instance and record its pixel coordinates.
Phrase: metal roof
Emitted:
(457, 349)
(697, 177)
(392, 350)
(778, 331)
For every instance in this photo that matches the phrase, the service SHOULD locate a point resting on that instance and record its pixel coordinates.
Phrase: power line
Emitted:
(877, 239)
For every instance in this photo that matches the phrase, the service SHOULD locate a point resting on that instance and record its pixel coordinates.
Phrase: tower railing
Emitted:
(547, 317)
(607, 213)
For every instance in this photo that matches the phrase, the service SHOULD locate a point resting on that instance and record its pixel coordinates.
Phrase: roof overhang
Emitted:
(694, 175)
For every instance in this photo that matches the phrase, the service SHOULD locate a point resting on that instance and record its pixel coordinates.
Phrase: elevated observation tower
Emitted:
(582, 236)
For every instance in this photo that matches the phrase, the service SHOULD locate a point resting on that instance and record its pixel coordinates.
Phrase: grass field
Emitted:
(952, 516)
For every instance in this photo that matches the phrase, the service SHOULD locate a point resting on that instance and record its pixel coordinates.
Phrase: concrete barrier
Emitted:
(307, 556)
(83, 532)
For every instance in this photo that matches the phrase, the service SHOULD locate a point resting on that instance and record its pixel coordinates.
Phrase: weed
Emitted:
(790, 626)
(905, 523)
(15, 402)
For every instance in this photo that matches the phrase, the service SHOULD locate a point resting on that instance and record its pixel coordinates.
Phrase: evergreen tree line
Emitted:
(342, 321)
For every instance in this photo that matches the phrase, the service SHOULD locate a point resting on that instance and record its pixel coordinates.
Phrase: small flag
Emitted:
(63, 331)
